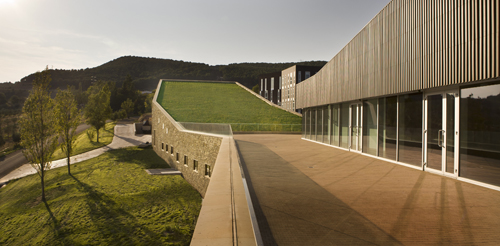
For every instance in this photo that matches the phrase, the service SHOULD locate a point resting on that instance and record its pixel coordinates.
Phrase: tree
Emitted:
(3, 99)
(67, 118)
(2, 141)
(98, 109)
(37, 127)
(148, 102)
(256, 89)
(128, 106)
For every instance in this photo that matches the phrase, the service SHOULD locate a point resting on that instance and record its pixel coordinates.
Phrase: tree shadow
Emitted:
(138, 156)
(60, 233)
(113, 222)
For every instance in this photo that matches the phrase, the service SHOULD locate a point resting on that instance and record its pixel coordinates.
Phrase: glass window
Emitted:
(313, 124)
(335, 125)
(410, 129)
(480, 134)
(308, 124)
(370, 127)
(344, 125)
(319, 127)
(304, 117)
(195, 165)
(326, 116)
(387, 127)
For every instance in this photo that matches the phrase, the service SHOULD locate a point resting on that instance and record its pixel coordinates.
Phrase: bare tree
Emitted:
(37, 127)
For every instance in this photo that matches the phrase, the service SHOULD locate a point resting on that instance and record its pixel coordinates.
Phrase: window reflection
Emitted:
(344, 125)
(370, 127)
(313, 124)
(325, 124)
(335, 125)
(387, 127)
(410, 129)
(480, 134)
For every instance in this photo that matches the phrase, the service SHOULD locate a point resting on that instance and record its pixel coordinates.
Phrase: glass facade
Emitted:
(370, 127)
(393, 128)
(387, 127)
(480, 134)
(344, 125)
(410, 129)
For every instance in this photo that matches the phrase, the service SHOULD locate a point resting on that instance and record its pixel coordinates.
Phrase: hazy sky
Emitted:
(70, 34)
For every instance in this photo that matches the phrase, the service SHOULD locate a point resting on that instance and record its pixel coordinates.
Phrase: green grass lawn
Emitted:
(109, 200)
(83, 144)
(222, 103)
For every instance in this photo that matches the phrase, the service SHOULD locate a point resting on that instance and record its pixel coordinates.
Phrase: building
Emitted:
(418, 85)
(290, 78)
(270, 87)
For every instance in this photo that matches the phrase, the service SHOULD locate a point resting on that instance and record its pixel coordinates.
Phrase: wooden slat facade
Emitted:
(411, 45)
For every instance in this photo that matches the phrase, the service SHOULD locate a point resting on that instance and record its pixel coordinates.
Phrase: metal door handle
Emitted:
(440, 138)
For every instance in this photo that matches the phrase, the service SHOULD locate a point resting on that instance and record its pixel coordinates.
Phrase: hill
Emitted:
(146, 72)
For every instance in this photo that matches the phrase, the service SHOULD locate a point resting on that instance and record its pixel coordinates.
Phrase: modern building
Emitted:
(270, 87)
(290, 78)
(419, 86)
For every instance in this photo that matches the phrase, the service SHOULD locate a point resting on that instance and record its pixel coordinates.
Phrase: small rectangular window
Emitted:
(185, 160)
(177, 156)
(172, 150)
(208, 170)
(195, 165)
(162, 146)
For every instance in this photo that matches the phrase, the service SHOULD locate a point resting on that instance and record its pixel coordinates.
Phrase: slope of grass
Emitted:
(83, 143)
(219, 103)
(109, 200)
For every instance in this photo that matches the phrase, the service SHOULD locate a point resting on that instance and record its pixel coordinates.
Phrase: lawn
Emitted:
(109, 200)
(83, 144)
(223, 103)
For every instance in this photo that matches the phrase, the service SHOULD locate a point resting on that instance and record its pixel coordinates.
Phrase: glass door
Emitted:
(355, 127)
(441, 133)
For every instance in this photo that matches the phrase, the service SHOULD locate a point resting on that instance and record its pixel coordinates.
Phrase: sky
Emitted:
(68, 34)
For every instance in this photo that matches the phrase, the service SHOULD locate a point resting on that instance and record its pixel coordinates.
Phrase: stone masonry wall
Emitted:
(174, 145)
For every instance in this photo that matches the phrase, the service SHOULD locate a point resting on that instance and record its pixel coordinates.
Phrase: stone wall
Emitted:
(181, 149)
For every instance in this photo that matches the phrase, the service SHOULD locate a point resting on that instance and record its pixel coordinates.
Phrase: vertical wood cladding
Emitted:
(411, 45)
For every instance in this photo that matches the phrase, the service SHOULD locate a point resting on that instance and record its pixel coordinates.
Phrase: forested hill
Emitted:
(146, 72)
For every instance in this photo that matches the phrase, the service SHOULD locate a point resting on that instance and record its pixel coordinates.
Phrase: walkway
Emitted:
(306, 193)
(124, 137)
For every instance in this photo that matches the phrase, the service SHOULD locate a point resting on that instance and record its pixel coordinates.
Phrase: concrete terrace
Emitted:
(306, 193)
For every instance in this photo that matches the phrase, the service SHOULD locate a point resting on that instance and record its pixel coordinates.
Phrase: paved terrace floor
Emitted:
(305, 193)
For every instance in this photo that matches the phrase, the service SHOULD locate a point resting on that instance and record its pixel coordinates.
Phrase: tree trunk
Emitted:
(43, 184)
(69, 172)
(98, 135)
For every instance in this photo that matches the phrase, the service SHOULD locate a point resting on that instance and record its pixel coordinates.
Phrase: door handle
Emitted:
(440, 138)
